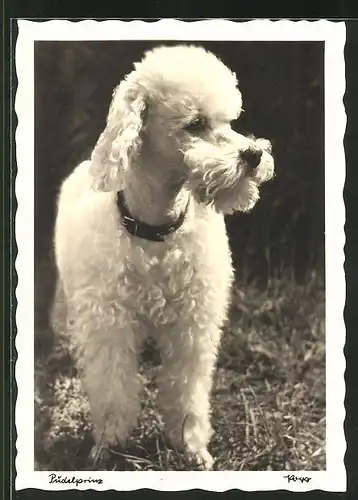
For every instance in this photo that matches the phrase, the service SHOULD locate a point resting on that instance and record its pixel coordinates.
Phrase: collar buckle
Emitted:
(143, 230)
(130, 224)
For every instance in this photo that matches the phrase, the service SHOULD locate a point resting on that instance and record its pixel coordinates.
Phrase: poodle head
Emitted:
(171, 118)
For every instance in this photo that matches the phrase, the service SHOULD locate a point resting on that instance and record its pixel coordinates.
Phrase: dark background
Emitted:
(282, 86)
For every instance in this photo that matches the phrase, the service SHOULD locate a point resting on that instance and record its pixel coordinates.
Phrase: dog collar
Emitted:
(143, 230)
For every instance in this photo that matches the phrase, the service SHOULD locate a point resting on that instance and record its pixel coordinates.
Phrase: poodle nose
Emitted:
(252, 157)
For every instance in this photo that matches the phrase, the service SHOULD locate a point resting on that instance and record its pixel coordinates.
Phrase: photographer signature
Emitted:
(292, 477)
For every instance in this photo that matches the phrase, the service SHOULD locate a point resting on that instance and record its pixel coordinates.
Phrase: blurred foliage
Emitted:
(282, 86)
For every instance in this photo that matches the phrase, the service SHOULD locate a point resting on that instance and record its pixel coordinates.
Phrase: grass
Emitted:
(268, 400)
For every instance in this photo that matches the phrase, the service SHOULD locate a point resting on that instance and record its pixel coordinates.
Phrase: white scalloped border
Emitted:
(334, 478)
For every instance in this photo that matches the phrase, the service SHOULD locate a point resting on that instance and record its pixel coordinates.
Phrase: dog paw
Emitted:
(202, 459)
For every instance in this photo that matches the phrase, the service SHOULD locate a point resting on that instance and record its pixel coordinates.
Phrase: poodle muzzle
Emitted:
(227, 173)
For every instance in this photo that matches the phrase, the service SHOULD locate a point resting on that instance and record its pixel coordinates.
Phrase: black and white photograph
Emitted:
(180, 255)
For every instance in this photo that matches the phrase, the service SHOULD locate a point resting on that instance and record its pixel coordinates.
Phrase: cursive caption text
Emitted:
(54, 478)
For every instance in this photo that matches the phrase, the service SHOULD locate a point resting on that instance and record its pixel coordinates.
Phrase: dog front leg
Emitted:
(184, 389)
(105, 350)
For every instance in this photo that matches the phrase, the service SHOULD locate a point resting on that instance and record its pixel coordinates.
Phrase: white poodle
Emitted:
(141, 245)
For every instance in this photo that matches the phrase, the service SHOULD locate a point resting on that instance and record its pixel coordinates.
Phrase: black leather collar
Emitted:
(143, 230)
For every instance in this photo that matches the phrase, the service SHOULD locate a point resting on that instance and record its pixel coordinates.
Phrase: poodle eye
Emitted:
(199, 124)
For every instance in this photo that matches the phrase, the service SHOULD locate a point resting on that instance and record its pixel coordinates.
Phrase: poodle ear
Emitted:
(120, 141)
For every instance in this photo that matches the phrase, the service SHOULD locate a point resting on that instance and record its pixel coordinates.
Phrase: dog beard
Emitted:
(224, 186)
(241, 196)
(217, 177)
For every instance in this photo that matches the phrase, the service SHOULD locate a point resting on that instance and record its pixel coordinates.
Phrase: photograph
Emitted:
(180, 255)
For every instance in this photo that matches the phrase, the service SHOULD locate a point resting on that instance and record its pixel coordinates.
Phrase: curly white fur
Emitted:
(120, 288)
